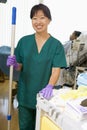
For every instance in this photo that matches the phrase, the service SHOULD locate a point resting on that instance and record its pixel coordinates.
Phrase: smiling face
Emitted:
(40, 22)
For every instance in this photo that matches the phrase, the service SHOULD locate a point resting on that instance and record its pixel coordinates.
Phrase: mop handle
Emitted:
(13, 15)
(11, 67)
(13, 29)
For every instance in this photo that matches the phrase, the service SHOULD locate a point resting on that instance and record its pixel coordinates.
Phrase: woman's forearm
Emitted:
(54, 76)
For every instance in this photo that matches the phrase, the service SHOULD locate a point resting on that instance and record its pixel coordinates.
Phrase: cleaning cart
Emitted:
(51, 114)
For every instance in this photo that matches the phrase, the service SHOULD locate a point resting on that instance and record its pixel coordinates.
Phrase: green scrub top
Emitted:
(37, 67)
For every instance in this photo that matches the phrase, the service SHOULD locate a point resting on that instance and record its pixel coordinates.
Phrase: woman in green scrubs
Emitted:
(39, 57)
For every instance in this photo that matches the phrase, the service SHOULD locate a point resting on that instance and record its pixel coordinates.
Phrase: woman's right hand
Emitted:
(11, 60)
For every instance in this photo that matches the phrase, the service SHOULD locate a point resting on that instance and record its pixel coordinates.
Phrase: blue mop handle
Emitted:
(11, 67)
(13, 29)
(14, 15)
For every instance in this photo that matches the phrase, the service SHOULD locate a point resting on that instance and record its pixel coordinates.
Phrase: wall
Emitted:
(23, 22)
(67, 16)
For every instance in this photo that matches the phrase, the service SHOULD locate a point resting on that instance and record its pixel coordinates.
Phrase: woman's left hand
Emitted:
(47, 92)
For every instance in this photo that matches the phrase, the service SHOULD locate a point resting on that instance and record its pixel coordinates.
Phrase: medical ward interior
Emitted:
(67, 109)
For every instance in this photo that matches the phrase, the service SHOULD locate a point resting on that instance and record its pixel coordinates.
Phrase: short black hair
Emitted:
(42, 7)
(77, 33)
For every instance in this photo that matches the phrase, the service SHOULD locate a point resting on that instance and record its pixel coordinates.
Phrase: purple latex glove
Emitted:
(11, 60)
(47, 92)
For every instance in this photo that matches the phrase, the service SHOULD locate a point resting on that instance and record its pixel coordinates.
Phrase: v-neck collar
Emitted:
(39, 52)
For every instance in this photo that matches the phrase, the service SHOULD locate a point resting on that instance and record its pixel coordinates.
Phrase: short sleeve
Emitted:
(59, 59)
(18, 52)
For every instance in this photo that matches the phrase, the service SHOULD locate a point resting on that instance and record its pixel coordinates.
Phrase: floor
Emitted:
(4, 108)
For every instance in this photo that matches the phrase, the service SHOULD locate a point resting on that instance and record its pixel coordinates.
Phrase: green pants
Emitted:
(27, 118)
